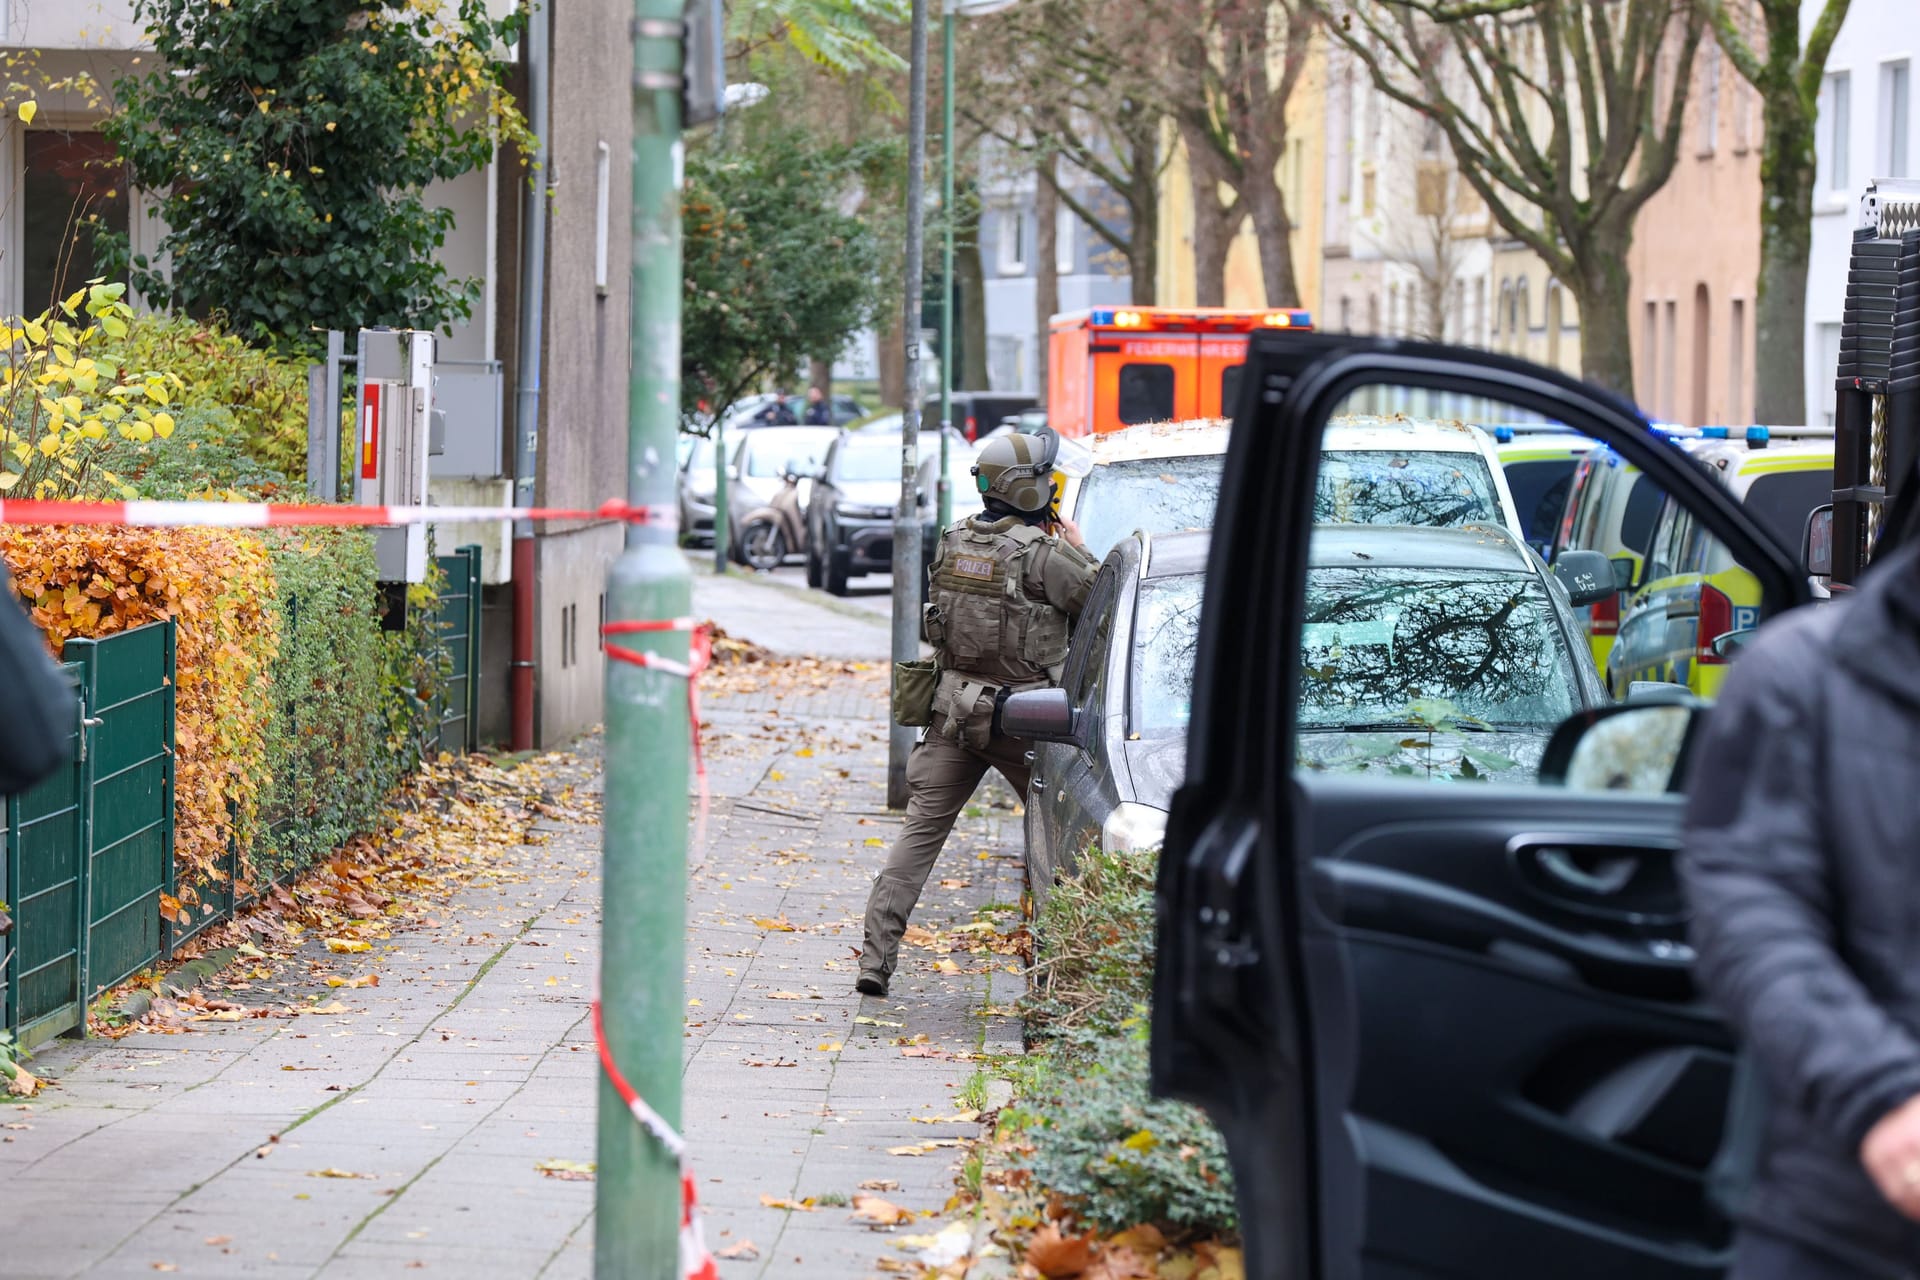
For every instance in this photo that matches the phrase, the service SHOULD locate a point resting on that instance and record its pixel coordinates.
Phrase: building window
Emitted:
(602, 213)
(1835, 129)
(1013, 242)
(1669, 360)
(1710, 100)
(1369, 188)
(1373, 313)
(1346, 314)
(1066, 226)
(1892, 160)
(1737, 363)
(73, 189)
(1650, 360)
(1702, 353)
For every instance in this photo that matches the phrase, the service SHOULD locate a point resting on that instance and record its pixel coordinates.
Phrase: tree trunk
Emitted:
(1046, 283)
(970, 274)
(891, 356)
(1143, 205)
(1604, 292)
(1272, 228)
(1213, 226)
(820, 375)
(1786, 245)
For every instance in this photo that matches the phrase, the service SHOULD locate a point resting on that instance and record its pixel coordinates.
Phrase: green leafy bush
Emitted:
(329, 750)
(1094, 967)
(1097, 1136)
(265, 395)
(1123, 1157)
(205, 458)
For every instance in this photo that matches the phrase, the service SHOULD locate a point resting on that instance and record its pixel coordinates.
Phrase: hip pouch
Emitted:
(913, 686)
(968, 707)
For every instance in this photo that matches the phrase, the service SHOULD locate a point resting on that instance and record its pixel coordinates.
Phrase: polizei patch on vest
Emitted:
(978, 568)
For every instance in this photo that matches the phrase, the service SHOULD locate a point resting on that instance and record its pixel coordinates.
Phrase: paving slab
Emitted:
(402, 1136)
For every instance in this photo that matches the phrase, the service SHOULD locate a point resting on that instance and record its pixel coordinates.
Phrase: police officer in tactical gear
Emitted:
(1003, 592)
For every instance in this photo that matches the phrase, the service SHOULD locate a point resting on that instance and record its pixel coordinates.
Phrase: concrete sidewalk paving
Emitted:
(438, 1092)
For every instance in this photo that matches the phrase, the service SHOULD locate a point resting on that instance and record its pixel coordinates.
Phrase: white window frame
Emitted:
(1836, 110)
(1066, 240)
(1893, 141)
(1012, 248)
(602, 214)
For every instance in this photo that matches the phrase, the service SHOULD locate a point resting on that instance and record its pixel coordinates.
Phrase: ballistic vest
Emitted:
(980, 619)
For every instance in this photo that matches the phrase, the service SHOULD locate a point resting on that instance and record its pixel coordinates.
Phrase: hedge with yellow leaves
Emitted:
(218, 587)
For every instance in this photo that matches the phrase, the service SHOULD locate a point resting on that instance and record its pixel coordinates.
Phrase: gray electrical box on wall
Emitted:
(393, 429)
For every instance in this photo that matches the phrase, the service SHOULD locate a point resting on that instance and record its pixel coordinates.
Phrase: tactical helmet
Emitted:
(1018, 469)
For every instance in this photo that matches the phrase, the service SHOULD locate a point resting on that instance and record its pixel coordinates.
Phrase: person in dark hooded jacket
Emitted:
(1802, 866)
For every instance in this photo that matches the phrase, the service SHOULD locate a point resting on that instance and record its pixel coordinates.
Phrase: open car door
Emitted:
(1439, 1004)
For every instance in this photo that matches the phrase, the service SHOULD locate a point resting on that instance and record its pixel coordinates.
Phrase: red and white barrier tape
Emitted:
(701, 658)
(695, 1262)
(278, 515)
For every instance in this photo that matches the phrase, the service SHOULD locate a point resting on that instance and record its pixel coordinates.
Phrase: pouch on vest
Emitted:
(933, 627)
(967, 708)
(913, 686)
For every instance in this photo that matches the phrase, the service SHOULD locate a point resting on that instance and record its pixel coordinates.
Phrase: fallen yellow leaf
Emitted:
(776, 924)
(348, 945)
(331, 1172)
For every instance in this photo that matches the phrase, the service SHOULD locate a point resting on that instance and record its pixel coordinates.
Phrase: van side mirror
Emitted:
(1587, 576)
(1043, 715)
(1816, 544)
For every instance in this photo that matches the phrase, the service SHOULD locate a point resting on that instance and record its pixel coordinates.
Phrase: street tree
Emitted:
(1229, 72)
(780, 262)
(289, 143)
(846, 37)
(1564, 116)
(1763, 39)
(1062, 84)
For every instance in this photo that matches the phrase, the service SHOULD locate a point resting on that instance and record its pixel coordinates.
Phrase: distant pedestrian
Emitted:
(1800, 866)
(819, 410)
(777, 414)
(1004, 591)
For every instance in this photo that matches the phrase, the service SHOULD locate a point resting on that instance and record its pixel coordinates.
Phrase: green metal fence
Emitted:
(85, 855)
(459, 626)
(89, 850)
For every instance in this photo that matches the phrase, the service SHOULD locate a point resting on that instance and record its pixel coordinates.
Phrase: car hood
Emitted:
(1445, 757)
(1158, 766)
(870, 493)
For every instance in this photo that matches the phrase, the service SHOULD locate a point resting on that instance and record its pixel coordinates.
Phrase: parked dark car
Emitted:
(976, 413)
(1381, 695)
(850, 514)
(1446, 1030)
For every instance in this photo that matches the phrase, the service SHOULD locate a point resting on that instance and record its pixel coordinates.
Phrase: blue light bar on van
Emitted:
(1758, 435)
(1102, 317)
(1713, 433)
(1503, 434)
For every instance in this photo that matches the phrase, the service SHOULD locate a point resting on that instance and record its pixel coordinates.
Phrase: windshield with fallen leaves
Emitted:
(1380, 643)
(1160, 495)
(1386, 486)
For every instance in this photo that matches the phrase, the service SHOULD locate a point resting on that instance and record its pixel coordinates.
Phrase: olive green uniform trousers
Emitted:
(941, 777)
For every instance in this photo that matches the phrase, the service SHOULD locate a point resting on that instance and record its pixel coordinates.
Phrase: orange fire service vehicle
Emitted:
(1112, 367)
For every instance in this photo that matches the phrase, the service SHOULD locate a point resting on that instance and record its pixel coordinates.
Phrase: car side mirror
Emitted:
(1816, 543)
(1623, 572)
(1587, 576)
(1043, 715)
(1638, 747)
